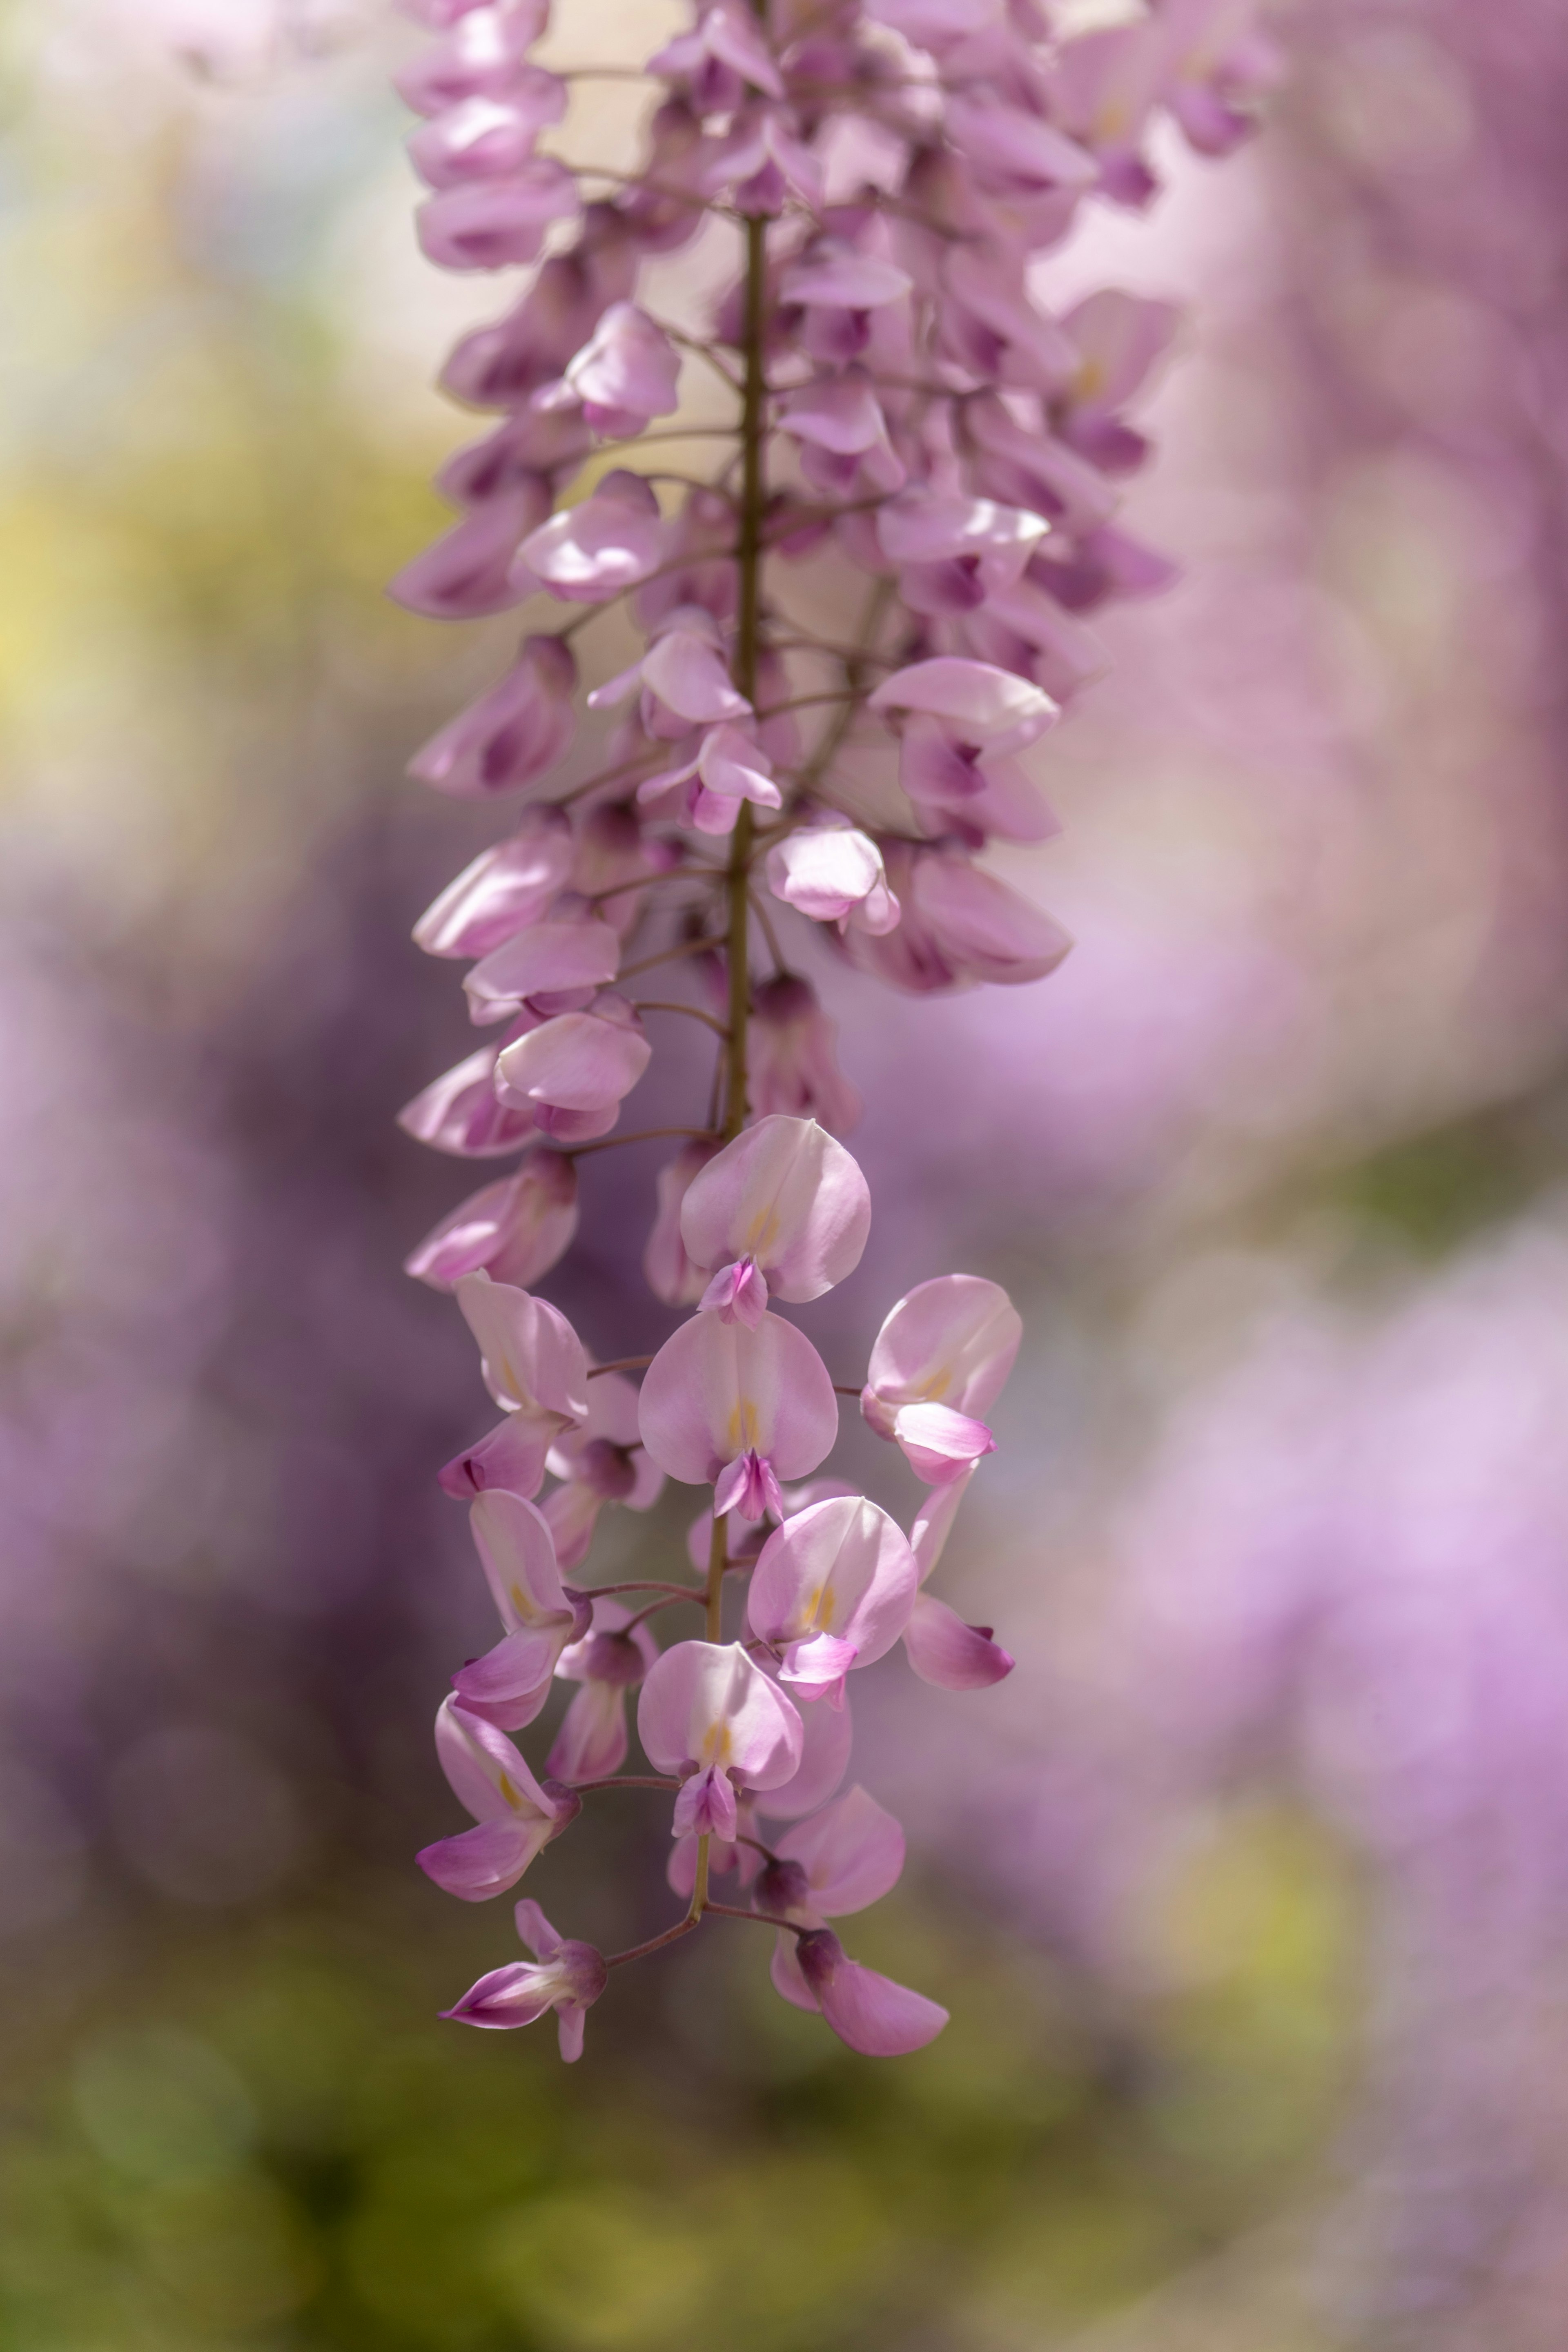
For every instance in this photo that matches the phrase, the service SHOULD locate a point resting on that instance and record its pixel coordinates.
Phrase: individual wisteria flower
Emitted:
(516, 1817)
(940, 1360)
(609, 1660)
(601, 1460)
(740, 1407)
(784, 1210)
(832, 1589)
(711, 1717)
(508, 1685)
(564, 1975)
(763, 790)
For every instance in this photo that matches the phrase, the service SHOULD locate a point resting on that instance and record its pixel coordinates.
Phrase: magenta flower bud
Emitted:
(609, 542)
(468, 572)
(566, 1976)
(832, 1590)
(708, 1714)
(516, 732)
(870, 2012)
(793, 1066)
(494, 224)
(783, 1209)
(626, 373)
(514, 1231)
(720, 1398)
(516, 1818)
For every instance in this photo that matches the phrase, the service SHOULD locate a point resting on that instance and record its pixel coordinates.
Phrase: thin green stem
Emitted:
(692, 1012)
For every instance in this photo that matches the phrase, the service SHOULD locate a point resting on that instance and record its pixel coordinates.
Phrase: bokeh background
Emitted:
(1248, 1890)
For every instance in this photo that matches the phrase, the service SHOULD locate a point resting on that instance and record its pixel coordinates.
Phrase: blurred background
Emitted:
(1248, 1890)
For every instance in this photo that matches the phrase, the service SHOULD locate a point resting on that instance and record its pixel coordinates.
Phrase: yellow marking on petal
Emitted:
(511, 1791)
(762, 1232)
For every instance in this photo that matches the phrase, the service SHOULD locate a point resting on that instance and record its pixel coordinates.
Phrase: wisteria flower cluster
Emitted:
(908, 415)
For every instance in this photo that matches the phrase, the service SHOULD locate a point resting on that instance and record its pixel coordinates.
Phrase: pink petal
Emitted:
(544, 960)
(794, 1068)
(737, 1293)
(508, 1685)
(785, 1971)
(983, 704)
(842, 1568)
(690, 677)
(787, 1196)
(591, 1740)
(630, 366)
(706, 1704)
(870, 2012)
(468, 571)
(836, 277)
(749, 1486)
(517, 1555)
(511, 1458)
(492, 224)
(482, 1861)
(485, 1771)
(529, 1355)
(940, 1444)
(921, 528)
(933, 1521)
(515, 1231)
(827, 1735)
(516, 1994)
(852, 1854)
(580, 1061)
(534, 1931)
(732, 34)
(484, 136)
(827, 871)
(511, 737)
(609, 542)
(731, 766)
(459, 1112)
(950, 1341)
(943, 1649)
(705, 1806)
(716, 1389)
(513, 884)
(987, 930)
(483, 56)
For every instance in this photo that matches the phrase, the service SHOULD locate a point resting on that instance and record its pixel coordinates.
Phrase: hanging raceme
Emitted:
(913, 437)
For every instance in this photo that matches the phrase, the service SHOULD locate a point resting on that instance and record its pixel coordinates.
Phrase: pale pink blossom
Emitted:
(1120, 338)
(784, 1210)
(728, 769)
(954, 553)
(840, 424)
(684, 677)
(573, 1071)
(940, 1360)
(711, 1717)
(827, 1736)
(565, 1975)
(738, 1409)
(978, 703)
(516, 1817)
(495, 224)
(671, 1275)
(1035, 469)
(728, 37)
(606, 1662)
(533, 1365)
(838, 1862)
(958, 925)
(540, 966)
(514, 1231)
(761, 163)
(605, 545)
(487, 136)
(508, 1685)
(832, 872)
(600, 1460)
(868, 2012)
(832, 275)
(515, 883)
(516, 732)
(485, 54)
(832, 1590)
(794, 1068)
(627, 373)
(468, 571)
(458, 1111)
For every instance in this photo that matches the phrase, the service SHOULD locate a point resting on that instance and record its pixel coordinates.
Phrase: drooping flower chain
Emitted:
(905, 413)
